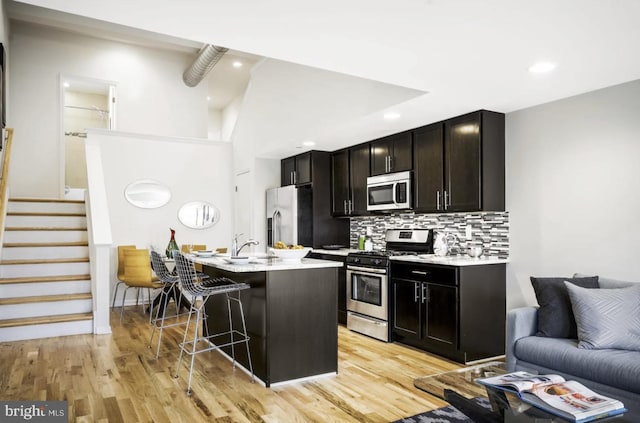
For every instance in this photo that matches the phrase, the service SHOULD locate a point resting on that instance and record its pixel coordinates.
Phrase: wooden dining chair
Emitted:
(137, 274)
(194, 247)
(120, 274)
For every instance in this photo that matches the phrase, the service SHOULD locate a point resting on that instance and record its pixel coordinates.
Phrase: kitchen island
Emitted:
(290, 313)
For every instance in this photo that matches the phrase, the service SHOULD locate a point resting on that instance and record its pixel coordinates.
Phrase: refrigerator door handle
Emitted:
(276, 225)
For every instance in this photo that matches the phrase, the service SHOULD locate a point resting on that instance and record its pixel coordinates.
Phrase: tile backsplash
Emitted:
(489, 229)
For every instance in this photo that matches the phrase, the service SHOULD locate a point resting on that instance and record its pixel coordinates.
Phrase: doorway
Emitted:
(86, 103)
(243, 219)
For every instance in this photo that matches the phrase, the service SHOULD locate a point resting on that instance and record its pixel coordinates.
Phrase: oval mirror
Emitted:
(147, 194)
(198, 215)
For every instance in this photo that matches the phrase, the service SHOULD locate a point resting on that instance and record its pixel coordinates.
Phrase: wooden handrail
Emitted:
(4, 183)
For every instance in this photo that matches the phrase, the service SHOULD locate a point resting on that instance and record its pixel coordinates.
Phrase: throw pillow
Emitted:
(555, 318)
(607, 318)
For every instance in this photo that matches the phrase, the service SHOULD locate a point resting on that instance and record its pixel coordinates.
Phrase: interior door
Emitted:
(243, 222)
(85, 103)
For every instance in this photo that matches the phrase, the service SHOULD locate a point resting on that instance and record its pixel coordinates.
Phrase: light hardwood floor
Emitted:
(116, 378)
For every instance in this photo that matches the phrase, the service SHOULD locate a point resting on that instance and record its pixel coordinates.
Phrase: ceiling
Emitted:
(466, 54)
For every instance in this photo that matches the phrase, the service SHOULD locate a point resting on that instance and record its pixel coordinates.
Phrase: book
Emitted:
(570, 400)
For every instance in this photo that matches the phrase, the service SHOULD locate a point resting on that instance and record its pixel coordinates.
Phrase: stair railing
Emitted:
(4, 181)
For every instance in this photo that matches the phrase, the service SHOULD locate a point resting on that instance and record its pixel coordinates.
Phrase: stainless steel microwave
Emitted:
(389, 192)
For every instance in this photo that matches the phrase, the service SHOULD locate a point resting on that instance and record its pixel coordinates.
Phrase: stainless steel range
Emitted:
(368, 280)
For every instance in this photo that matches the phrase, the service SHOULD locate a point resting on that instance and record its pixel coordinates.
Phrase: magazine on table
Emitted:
(552, 393)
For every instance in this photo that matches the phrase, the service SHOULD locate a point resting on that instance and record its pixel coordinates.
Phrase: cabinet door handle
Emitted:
(438, 200)
(350, 203)
(345, 206)
(425, 293)
(390, 163)
(417, 292)
(419, 272)
(445, 199)
(294, 176)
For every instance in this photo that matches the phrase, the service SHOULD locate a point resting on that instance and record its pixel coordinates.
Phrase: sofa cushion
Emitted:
(617, 368)
(555, 318)
(606, 318)
(607, 282)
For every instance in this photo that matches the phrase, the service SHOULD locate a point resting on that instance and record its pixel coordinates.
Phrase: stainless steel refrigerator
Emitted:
(289, 215)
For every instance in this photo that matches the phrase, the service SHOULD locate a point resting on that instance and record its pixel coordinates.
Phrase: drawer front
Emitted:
(444, 275)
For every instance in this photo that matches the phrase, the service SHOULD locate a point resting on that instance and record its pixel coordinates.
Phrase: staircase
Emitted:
(45, 285)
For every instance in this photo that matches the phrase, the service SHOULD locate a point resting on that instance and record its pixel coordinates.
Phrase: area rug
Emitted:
(448, 414)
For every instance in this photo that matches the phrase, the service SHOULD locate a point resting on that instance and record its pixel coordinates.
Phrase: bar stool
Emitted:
(170, 289)
(193, 286)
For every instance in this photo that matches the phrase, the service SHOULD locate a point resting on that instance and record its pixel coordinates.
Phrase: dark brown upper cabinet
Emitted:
(391, 154)
(349, 170)
(296, 170)
(459, 164)
(428, 170)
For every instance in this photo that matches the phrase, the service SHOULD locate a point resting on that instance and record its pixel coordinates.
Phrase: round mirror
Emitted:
(198, 215)
(147, 194)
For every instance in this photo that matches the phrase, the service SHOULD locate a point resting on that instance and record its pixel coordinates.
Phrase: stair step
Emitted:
(44, 200)
(29, 268)
(45, 252)
(27, 321)
(40, 279)
(56, 214)
(45, 228)
(46, 206)
(45, 261)
(45, 298)
(20, 235)
(45, 244)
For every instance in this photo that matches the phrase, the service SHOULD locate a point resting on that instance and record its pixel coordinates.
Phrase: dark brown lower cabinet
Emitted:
(342, 283)
(291, 322)
(454, 311)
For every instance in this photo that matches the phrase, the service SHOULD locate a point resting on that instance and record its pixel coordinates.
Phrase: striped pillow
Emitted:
(606, 318)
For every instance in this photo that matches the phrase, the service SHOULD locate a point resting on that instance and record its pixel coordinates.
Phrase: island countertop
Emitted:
(264, 264)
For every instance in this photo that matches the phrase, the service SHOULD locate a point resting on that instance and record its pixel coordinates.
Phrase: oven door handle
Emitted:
(367, 270)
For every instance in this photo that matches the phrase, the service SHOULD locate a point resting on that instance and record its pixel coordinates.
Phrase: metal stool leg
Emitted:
(193, 349)
(246, 338)
(244, 332)
(184, 337)
(155, 321)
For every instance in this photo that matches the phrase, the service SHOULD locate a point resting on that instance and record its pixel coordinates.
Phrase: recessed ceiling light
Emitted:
(308, 143)
(542, 67)
(237, 64)
(208, 98)
(391, 115)
(66, 84)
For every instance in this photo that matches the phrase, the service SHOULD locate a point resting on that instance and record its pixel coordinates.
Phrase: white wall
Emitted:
(573, 172)
(214, 124)
(229, 118)
(192, 169)
(151, 96)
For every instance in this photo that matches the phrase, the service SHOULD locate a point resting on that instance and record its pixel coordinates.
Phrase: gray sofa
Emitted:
(614, 373)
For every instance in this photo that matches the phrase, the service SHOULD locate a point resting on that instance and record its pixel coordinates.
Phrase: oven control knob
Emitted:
(356, 260)
(377, 261)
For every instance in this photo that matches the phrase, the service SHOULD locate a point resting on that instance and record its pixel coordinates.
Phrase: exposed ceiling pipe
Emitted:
(207, 59)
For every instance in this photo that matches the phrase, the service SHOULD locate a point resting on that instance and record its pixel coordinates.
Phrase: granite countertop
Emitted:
(457, 260)
(264, 264)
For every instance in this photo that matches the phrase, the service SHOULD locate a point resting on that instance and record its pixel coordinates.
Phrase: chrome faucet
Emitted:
(235, 250)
